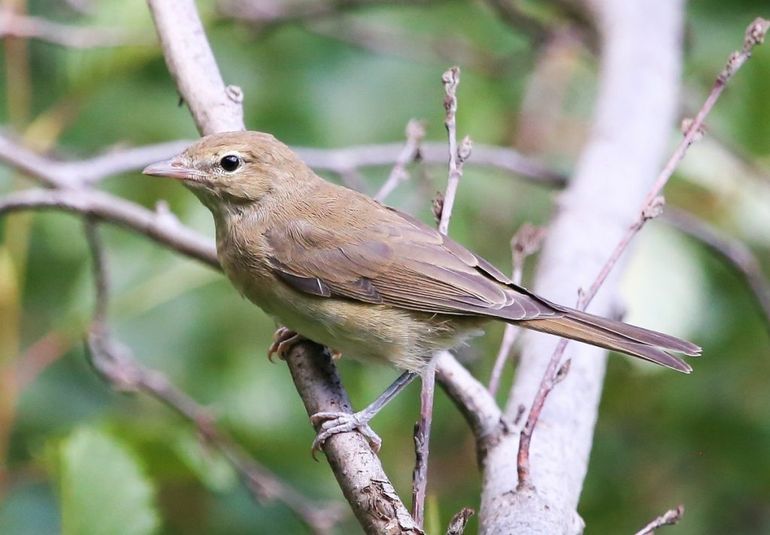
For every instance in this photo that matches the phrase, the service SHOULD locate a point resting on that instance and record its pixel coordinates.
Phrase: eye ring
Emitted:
(230, 162)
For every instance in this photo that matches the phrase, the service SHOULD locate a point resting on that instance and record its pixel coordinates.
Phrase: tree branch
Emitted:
(628, 139)
(160, 225)
(214, 106)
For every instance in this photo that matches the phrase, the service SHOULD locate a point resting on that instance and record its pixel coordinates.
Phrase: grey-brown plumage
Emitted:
(365, 279)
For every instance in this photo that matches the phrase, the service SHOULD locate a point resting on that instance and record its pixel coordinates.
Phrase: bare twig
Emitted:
(451, 79)
(734, 252)
(669, 518)
(71, 174)
(160, 226)
(525, 242)
(755, 34)
(415, 132)
(422, 444)
(28, 27)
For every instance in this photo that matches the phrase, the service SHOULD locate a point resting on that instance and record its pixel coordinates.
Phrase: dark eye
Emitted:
(230, 163)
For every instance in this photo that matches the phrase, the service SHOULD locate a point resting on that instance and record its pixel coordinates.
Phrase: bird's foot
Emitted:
(333, 423)
(283, 340)
(335, 354)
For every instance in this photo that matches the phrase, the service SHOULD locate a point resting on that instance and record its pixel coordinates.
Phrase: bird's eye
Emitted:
(230, 162)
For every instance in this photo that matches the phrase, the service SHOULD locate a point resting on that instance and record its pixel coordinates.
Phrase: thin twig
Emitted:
(525, 242)
(669, 518)
(451, 79)
(161, 225)
(650, 209)
(72, 174)
(415, 132)
(734, 252)
(422, 445)
(755, 34)
(116, 364)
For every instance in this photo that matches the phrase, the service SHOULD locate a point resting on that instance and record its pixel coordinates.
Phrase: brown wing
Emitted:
(397, 261)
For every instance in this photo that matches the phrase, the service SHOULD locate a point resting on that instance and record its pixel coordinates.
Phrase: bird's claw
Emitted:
(333, 423)
(283, 340)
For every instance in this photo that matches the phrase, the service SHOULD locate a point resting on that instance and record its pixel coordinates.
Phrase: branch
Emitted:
(669, 518)
(90, 171)
(652, 207)
(161, 226)
(358, 471)
(72, 174)
(415, 132)
(474, 401)
(451, 80)
(214, 106)
(599, 205)
(457, 155)
(525, 243)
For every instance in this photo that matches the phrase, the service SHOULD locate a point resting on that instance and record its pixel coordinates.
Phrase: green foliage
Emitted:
(102, 487)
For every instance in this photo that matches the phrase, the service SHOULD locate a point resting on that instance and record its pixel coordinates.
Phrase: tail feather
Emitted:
(617, 336)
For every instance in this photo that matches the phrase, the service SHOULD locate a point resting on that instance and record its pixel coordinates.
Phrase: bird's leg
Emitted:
(344, 422)
(283, 340)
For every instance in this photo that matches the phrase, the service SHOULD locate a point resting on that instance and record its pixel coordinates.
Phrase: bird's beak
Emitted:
(172, 168)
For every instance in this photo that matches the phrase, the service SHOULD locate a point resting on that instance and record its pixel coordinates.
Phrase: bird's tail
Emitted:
(617, 336)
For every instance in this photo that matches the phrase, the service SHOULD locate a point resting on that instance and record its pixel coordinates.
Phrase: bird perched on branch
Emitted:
(361, 278)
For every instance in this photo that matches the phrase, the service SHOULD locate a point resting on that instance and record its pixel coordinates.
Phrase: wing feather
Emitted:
(400, 262)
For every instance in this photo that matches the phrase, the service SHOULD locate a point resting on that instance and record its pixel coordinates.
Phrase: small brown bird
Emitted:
(364, 279)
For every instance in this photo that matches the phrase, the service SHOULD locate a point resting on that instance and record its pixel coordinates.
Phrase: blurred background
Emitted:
(336, 74)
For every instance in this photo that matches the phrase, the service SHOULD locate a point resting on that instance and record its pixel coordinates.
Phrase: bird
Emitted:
(334, 266)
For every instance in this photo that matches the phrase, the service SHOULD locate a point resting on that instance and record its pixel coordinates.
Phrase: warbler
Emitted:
(362, 278)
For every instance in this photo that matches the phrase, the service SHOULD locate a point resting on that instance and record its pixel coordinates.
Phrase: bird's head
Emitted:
(234, 168)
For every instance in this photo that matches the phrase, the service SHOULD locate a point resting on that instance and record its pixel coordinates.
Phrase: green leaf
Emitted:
(102, 487)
